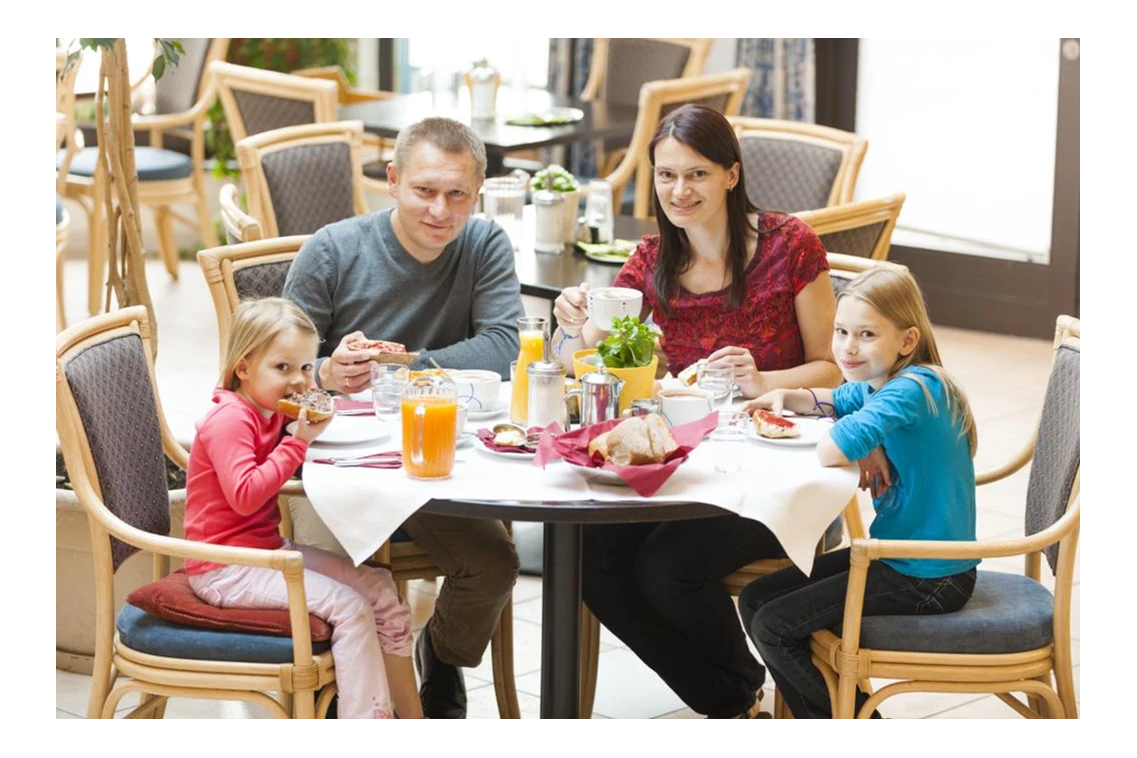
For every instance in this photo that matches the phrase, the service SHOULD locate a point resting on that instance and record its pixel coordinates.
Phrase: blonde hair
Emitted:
(895, 295)
(256, 323)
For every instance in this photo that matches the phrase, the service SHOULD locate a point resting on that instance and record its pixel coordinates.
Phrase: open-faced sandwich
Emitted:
(690, 375)
(773, 426)
(635, 441)
(385, 351)
(319, 404)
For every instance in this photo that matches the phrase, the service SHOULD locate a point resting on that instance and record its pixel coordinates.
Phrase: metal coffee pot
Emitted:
(599, 396)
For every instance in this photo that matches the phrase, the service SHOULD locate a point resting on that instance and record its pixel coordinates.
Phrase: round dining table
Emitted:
(561, 564)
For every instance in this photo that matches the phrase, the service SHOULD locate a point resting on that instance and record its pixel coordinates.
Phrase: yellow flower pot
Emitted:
(638, 381)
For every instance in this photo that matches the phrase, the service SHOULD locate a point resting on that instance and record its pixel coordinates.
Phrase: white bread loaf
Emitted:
(639, 440)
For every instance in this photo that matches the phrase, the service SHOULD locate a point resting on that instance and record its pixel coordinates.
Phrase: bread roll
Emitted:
(599, 443)
(773, 426)
(639, 440)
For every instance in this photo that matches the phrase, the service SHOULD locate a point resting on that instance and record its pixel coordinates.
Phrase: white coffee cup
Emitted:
(684, 405)
(460, 419)
(477, 388)
(607, 303)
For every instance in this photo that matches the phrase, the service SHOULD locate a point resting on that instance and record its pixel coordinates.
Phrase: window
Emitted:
(438, 63)
(967, 129)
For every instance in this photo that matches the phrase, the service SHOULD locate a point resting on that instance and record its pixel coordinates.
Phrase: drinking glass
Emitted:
(719, 381)
(388, 380)
(533, 333)
(729, 441)
(430, 429)
(598, 211)
(503, 200)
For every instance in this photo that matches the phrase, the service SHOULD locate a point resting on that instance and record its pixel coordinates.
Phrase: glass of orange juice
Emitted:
(534, 332)
(429, 416)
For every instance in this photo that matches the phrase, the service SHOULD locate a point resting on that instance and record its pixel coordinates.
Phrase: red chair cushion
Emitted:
(173, 600)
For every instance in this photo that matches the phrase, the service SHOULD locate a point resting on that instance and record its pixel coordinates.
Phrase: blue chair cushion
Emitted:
(58, 210)
(140, 631)
(153, 164)
(1008, 613)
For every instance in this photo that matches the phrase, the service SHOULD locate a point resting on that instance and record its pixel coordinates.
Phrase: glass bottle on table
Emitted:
(534, 334)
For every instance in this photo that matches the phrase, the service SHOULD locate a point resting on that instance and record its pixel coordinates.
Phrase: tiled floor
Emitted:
(1004, 377)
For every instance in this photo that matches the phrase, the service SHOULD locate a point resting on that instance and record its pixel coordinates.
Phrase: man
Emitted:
(426, 275)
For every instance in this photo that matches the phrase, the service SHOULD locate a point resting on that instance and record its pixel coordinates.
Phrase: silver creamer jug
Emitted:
(599, 396)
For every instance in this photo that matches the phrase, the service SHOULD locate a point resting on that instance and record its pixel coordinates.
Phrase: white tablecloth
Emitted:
(784, 488)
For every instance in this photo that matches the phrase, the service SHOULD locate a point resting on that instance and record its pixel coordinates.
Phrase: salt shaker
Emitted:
(550, 215)
(546, 393)
(598, 212)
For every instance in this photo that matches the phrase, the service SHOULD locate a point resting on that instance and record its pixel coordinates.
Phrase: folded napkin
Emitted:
(645, 479)
(390, 459)
(487, 435)
(347, 406)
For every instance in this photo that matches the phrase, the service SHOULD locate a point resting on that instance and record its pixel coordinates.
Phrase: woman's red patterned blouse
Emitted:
(789, 257)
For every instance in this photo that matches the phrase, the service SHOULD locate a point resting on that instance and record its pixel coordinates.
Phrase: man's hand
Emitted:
(347, 370)
(876, 472)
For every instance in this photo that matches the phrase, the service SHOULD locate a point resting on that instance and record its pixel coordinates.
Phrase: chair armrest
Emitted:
(237, 223)
(877, 549)
(1009, 467)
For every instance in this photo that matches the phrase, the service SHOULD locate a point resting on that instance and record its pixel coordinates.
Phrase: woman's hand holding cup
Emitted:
(571, 309)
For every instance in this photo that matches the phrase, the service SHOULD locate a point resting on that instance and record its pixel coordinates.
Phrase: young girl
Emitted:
(901, 415)
(238, 463)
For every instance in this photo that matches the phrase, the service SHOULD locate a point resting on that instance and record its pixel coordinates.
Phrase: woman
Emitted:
(742, 288)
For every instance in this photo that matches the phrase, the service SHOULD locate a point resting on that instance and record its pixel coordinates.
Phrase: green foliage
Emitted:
(283, 55)
(554, 178)
(170, 52)
(630, 343)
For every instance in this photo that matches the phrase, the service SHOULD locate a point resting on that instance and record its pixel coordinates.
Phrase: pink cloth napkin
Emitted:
(354, 407)
(645, 479)
(487, 435)
(390, 459)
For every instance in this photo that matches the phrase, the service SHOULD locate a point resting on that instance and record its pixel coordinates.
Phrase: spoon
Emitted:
(530, 440)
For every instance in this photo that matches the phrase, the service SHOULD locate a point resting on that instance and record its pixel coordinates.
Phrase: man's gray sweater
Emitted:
(461, 309)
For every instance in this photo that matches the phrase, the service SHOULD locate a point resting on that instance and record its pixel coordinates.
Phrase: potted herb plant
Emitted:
(557, 179)
(629, 353)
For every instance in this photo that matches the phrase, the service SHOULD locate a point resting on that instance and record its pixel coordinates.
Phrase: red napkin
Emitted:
(354, 407)
(486, 436)
(646, 479)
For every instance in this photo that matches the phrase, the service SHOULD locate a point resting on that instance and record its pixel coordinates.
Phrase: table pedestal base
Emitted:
(560, 622)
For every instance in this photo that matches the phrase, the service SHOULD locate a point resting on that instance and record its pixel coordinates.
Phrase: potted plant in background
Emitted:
(557, 179)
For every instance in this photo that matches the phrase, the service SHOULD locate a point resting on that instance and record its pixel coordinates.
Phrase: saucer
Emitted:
(479, 415)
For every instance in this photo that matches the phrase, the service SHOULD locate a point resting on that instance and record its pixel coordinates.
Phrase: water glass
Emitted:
(719, 381)
(503, 201)
(388, 380)
(598, 212)
(729, 441)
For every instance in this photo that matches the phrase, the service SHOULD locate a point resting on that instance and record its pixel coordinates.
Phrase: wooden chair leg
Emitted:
(781, 711)
(501, 654)
(205, 223)
(589, 660)
(60, 310)
(167, 242)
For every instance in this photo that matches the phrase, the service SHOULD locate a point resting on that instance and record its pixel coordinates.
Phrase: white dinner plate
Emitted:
(349, 430)
(510, 456)
(465, 438)
(812, 429)
(601, 476)
(479, 415)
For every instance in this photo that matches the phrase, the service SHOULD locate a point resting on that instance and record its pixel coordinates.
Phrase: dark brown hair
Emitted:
(708, 133)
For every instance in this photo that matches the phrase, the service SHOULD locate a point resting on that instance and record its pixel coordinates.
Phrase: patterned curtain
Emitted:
(570, 60)
(782, 78)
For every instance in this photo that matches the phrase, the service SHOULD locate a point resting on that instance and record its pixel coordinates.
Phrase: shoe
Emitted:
(755, 711)
(443, 691)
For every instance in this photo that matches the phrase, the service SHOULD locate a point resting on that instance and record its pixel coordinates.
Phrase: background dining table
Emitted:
(782, 485)
(601, 120)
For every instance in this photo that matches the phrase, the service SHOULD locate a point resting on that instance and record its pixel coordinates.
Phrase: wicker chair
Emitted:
(620, 66)
(300, 178)
(1014, 634)
(793, 166)
(723, 92)
(259, 269)
(113, 436)
(64, 105)
(863, 228)
(165, 177)
(239, 226)
(842, 269)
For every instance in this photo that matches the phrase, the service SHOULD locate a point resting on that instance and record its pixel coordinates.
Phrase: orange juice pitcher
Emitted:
(429, 416)
(534, 333)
